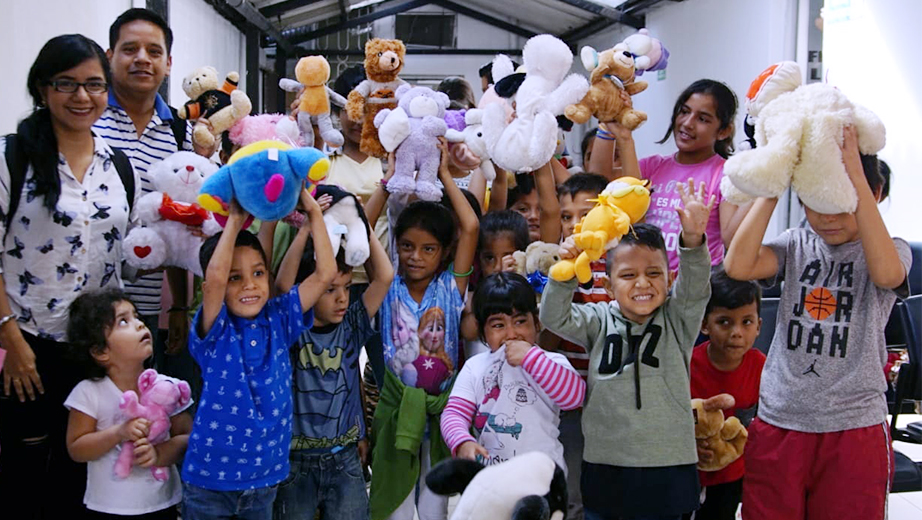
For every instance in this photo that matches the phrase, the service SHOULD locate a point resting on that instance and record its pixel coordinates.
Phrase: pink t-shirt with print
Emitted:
(665, 174)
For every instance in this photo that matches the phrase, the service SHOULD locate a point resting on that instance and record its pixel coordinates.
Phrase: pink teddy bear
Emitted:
(160, 397)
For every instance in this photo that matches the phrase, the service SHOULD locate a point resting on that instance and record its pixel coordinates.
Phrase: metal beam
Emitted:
(607, 12)
(485, 18)
(447, 52)
(355, 22)
(260, 22)
(252, 63)
(281, 8)
(576, 34)
(281, 69)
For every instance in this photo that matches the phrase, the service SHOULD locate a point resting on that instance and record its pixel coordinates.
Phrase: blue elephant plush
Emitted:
(265, 178)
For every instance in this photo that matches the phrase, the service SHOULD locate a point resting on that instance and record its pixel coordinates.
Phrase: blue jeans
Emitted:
(332, 482)
(592, 515)
(206, 504)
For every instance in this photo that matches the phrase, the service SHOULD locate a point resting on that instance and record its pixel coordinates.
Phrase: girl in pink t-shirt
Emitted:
(702, 128)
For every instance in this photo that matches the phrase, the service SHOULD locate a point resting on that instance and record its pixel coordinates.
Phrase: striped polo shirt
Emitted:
(155, 144)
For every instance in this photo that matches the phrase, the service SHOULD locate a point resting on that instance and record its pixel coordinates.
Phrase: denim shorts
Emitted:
(206, 504)
(330, 482)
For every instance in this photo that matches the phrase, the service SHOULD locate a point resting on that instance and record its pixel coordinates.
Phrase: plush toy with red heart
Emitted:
(167, 214)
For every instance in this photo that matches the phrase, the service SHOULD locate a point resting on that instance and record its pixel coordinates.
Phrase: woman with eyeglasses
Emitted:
(63, 212)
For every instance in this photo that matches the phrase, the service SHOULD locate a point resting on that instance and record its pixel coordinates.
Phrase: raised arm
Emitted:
(266, 237)
(380, 274)
(215, 284)
(884, 265)
(561, 383)
(467, 238)
(731, 216)
(316, 284)
(499, 191)
(378, 199)
(547, 201)
(288, 269)
(747, 258)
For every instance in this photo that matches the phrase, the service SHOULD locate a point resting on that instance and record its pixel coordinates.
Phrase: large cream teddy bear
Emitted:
(798, 132)
(209, 100)
(528, 142)
(167, 212)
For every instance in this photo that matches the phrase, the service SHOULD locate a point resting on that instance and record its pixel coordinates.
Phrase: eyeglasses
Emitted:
(68, 86)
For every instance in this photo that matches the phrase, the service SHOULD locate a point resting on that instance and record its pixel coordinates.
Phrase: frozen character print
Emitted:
(433, 365)
(406, 344)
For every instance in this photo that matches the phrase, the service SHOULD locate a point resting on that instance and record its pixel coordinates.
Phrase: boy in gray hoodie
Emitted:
(639, 458)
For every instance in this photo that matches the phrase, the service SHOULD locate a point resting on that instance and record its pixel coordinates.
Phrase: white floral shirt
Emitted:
(48, 258)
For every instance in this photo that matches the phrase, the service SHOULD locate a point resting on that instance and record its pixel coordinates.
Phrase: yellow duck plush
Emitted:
(621, 204)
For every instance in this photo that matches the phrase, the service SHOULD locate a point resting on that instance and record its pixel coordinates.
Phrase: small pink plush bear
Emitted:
(160, 396)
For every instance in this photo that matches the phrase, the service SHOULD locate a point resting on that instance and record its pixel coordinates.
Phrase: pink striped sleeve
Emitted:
(456, 422)
(562, 384)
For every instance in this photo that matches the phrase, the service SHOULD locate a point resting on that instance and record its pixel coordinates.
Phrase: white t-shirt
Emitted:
(514, 415)
(138, 494)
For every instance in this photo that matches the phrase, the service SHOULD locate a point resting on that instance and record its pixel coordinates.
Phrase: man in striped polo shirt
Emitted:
(139, 122)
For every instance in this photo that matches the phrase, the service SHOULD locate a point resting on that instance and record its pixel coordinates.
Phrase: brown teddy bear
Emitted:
(383, 62)
(726, 438)
(612, 73)
(209, 100)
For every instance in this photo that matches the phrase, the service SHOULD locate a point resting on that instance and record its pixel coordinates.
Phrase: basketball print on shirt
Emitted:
(822, 314)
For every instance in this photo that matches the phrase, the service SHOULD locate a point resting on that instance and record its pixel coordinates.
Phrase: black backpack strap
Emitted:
(179, 127)
(126, 173)
(16, 164)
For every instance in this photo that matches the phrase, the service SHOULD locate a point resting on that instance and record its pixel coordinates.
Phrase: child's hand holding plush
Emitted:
(694, 213)
(471, 450)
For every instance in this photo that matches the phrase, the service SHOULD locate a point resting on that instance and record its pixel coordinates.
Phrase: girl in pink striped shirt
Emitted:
(513, 394)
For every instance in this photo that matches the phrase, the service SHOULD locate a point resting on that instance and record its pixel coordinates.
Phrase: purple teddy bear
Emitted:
(413, 130)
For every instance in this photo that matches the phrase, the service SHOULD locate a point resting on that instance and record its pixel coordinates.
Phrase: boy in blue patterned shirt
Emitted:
(238, 449)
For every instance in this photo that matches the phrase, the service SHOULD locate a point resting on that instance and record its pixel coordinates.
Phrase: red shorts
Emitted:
(837, 475)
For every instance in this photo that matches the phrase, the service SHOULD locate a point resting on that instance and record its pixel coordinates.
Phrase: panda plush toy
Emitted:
(527, 487)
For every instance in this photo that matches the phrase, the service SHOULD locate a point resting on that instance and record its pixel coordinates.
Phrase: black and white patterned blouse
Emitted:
(48, 258)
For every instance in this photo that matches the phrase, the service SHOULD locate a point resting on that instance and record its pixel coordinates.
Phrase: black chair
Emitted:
(908, 474)
(909, 379)
(769, 317)
(915, 270)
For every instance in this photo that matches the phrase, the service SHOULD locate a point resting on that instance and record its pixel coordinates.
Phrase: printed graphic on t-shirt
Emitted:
(496, 430)
(821, 314)
(325, 403)
(419, 358)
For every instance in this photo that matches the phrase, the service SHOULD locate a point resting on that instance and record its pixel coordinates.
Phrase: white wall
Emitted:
(871, 53)
(471, 34)
(203, 37)
(25, 25)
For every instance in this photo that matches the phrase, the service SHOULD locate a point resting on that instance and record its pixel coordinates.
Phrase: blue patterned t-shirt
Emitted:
(421, 339)
(242, 428)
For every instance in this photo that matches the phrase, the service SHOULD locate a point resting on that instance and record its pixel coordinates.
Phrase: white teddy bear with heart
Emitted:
(167, 214)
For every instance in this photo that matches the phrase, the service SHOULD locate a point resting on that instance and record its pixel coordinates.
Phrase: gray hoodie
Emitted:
(637, 415)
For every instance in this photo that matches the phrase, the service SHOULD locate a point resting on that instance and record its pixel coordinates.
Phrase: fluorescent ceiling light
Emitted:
(608, 3)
